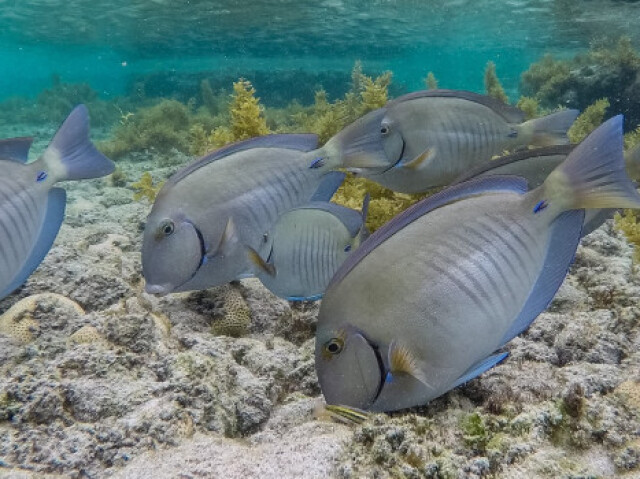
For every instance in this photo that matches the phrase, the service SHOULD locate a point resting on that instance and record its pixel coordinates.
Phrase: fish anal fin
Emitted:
(479, 368)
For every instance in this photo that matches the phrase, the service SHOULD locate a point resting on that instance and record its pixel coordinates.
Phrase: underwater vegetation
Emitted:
(492, 84)
(146, 188)
(605, 71)
(588, 120)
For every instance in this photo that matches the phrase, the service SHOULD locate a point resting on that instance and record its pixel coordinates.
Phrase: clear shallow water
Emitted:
(108, 45)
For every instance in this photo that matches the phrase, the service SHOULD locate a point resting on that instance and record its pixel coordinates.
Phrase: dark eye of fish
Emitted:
(384, 130)
(167, 227)
(334, 346)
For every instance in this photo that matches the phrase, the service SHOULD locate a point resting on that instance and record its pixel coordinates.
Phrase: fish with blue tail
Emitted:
(536, 164)
(209, 213)
(308, 246)
(428, 138)
(428, 300)
(31, 207)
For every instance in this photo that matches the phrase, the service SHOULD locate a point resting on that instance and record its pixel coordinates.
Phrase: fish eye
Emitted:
(384, 129)
(167, 227)
(334, 346)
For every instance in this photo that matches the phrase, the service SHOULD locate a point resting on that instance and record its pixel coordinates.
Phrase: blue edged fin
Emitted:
(561, 248)
(328, 186)
(593, 219)
(16, 149)
(315, 297)
(56, 202)
(71, 155)
(478, 368)
(302, 142)
(474, 187)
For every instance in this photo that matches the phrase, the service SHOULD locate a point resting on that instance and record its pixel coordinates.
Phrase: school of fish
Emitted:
(408, 313)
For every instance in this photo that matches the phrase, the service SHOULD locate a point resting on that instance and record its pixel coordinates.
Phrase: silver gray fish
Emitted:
(422, 306)
(208, 214)
(31, 208)
(308, 246)
(535, 166)
(428, 138)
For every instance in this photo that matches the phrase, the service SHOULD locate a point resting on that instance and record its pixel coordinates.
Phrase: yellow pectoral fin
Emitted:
(402, 361)
(259, 263)
(426, 155)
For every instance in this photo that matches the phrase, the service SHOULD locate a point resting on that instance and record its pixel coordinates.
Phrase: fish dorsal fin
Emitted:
(302, 142)
(16, 149)
(49, 227)
(561, 248)
(510, 113)
(479, 367)
(514, 158)
(351, 219)
(457, 192)
(328, 186)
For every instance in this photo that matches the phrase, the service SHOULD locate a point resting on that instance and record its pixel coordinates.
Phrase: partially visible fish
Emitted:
(424, 304)
(308, 245)
(428, 138)
(535, 165)
(208, 214)
(31, 208)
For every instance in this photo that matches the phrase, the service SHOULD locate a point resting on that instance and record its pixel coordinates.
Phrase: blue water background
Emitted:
(109, 44)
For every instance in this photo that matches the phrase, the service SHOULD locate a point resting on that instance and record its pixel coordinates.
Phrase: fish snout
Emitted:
(158, 289)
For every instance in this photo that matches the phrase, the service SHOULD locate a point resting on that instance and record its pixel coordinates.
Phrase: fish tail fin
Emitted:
(551, 129)
(594, 174)
(71, 155)
(632, 160)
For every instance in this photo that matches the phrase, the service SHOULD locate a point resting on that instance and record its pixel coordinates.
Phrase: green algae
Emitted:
(492, 84)
(146, 188)
(530, 107)
(588, 121)
(431, 82)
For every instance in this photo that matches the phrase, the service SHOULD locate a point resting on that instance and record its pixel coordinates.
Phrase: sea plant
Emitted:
(492, 84)
(530, 107)
(145, 188)
(431, 82)
(627, 223)
(588, 121)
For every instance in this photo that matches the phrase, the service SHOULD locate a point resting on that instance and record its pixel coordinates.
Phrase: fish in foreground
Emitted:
(535, 165)
(207, 215)
(308, 246)
(428, 299)
(428, 138)
(31, 208)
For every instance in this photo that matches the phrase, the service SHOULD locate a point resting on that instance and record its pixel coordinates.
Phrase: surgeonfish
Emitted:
(208, 213)
(31, 208)
(426, 301)
(428, 138)
(536, 164)
(308, 246)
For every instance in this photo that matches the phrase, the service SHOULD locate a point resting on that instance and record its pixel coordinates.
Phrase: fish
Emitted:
(31, 206)
(208, 213)
(426, 139)
(427, 302)
(536, 164)
(309, 243)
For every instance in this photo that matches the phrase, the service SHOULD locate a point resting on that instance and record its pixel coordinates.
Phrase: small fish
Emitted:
(31, 208)
(426, 139)
(207, 214)
(308, 246)
(425, 302)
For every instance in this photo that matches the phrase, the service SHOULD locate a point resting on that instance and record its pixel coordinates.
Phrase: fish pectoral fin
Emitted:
(479, 367)
(423, 157)
(229, 237)
(403, 361)
(259, 263)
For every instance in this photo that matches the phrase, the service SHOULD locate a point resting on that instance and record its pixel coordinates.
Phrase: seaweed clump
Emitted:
(145, 188)
(492, 84)
(431, 82)
(628, 224)
(588, 121)
(161, 128)
(611, 71)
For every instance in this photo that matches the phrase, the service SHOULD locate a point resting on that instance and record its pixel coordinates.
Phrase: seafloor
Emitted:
(102, 380)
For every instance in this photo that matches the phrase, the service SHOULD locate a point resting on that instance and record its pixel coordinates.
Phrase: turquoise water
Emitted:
(110, 45)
